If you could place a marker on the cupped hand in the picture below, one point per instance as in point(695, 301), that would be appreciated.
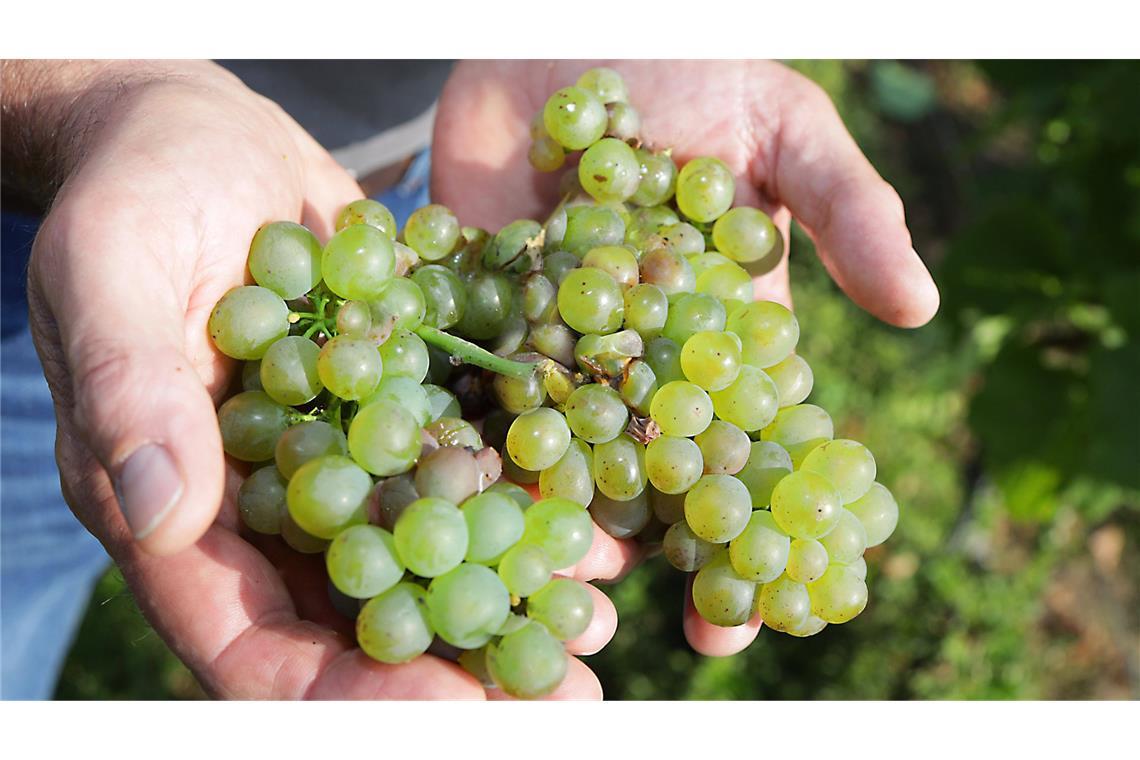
point(778, 132)
point(178, 166)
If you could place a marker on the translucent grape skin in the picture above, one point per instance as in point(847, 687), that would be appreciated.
point(362, 561)
point(289, 371)
point(685, 550)
point(596, 413)
point(527, 663)
point(524, 569)
point(368, 211)
point(448, 473)
point(609, 171)
point(846, 542)
point(432, 231)
point(839, 595)
point(805, 505)
point(606, 83)
point(760, 552)
point(305, 441)
point(572, 476)
point(793, 378)
point(247, 320)
point(546, 154)
point(286, 258)
point(767, 464)
point(590, 301)
point(467, 605)
point(674, 464)
point(692, 313)
point(718, 508)
point(561, 528)
point(728, 282)
point(720, 595)
point(711, 359)
point(750, 401)
point(619, 468)
point(399, 306)
point(350, 367)
point(705, 189)
point(621, 519)
point(538, 439)
point(725, 448)
point(519, 395)
point(586, 227)
point(405, 354)
point(431, 537)
point(623, 122)
point(664, 357)
point(393, 627)
point(744, 234)
point(564, 606)
point(355, 318)
point(489, 300)
point(646, 307)
point(638, 386)
point(384, 438)
point(668, 271)
point(327, 495)
point(768, 331)
point(799, 429)
point(575, 117)
point(848, 465)
point(618, 261)
point(807, 560)
point(683, 239)
point(357, 262)
point(658, 178)
point(261, 501)
point(404, 392)
point(445, 298)
point(251, 423)
point(783, 604)
point(682, 409)
point(879, 513)
point(494, 525)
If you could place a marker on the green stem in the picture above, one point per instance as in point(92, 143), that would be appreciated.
point(472, 354)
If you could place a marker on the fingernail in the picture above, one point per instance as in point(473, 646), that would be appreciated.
point(148, 486)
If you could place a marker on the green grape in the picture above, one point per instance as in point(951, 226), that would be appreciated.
point(572, 476)
point(720, 595)
point(590, 301)
point(685, 550)
point(768, 331)
point(489, 301)
point(658, 179)
point(761, 552)
point(705, 189)
point(606, 83)
point(805, 505)
point(394, 627)
point(682, 409)
point(393, 496)
point(596, 413)
point(668, 271)
point(767, 464)
point(474, 661)
point(703, 262)
point(564, 606)
point(247, 321)
point(527, 663)
point(494, 525)
point(623, 122)
point(711, 359)
point(328, 494)
point(517, 493)
point(350, 367)
point(441, 402)
point(431, 537)
point(619, 468)
point(859, 567)
point(355, 317)
point(879, 513)
point(432, 232)
point(384, 438)
point(744, 234)
point(251, 376)
point(305, 441)
point(561, 528)
point(357, 262)
point(615, 260)
point(250, 423)
point(514, 622)
point(406, 258)
point(807, 560)
point(400, 305)
point(810, 627)
point(445, 297)
point(751, 401)
point(540, 300)
point(468, 605)
point(556, 341)
point(289, 371)
point(609, 171)
point(645, 224)
point(718, 508)
point(664, 357)
point(839, 595)
point(667, 508)
point(638, 386)
point(726, 281)
point(286, 258)
point(362, 561)
point(725, 448)
point(846, 464)
point(621, 519)
point(368, 211)
point(575, 117)
point(538, 439)
point(607, 356)
point(261, 501)
point(454, 432)
point(674, 464)
point(692, 313)
point(545, 154)
point(555, 230)
point(405, 354)
point(646, 307)
point(793, 379)
point(519, 395)
point(683, 239)
point(589, 227)
point(298, 540)
point(513, 248)
point(405, 392)
point(847, 540)
point(514, 472)
point(524, 569)
point(799, 429)
point(783, 604)
point(448, 473)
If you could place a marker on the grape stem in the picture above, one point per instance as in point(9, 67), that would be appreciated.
point(469, 353)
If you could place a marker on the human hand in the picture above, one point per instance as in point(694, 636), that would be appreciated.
point(170, 169)
point(778, 132)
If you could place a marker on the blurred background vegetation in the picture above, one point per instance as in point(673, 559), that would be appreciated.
point(1008, 429)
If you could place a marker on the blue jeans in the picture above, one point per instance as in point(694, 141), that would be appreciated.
point(49, 563)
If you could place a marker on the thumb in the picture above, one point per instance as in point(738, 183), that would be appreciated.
point(114, 350)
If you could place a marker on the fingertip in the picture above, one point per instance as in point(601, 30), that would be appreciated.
point(603, 625)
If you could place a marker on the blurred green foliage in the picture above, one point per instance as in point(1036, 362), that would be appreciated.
point(1008, 428)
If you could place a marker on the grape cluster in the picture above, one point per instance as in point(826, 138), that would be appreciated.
point(615, 361)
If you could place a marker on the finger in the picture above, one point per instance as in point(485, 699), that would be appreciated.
point(580, 683)
point(608, 560)
point(854, 216)
point(602, 626)
point(714, 640)
point(355, 675)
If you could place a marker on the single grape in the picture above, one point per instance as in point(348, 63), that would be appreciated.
point(606, 83)
point(250, 423)
point(358, 261)
point(619, 468)
point(289, 371)
point(468, 605)
point(368, 211)
point(355, 317)
point(718, 508)
point(405, 354)
point(538, 439)
point(596, 413)
point(859, 567)
point(685, 550)
point(783, 604)
point(524, 569)
point(768, 331)
point(432, 232)
point(489, 300)
point(750, 401)
point(431, 537)
point(839, 595)
point(305, 441)
point(286, 258)
point(846, 464)
point(705, 189)
point(744, 234)
point(623, 122)
point(564, 606)
point(805, 505)
point(674, 464)
point(261, 501)
point(527, 663)
point(572, 476)
point(760, 553)
point(711, 359)
point(556, 341)
point(667, 508)
point(393, 496)
point(350, 367)
point(540, 300)
point(403, 392)
point(394, 626)
point(720, 595)
point(683, 239)
point(590, 301)
point(454, 432)
point(384, 438)
point(621, 519)
point(400, 305)
point(799, 429)
point(362, 561)
point(682, 409)
point(447, 473)
point(793, 379)
point(807, 560)
point(767, 465)
point(575, 117)
point(692, 313)
point(658, 179)
point(609, 171)
point(494, 525)
point(879, 513)
point(646, 307)
point(518, 395)
point(247, 321)
point(727, 282)
point(617, 261)
point(587, 227)
point(847, 540)
point(638, 386)
point(545, 154)
point(512, 471)
point(445, 298)
point(725, 448)
point(668, 271)
point(328, 494)
point(664, 357)
point(810, 627)
point(561, 528)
